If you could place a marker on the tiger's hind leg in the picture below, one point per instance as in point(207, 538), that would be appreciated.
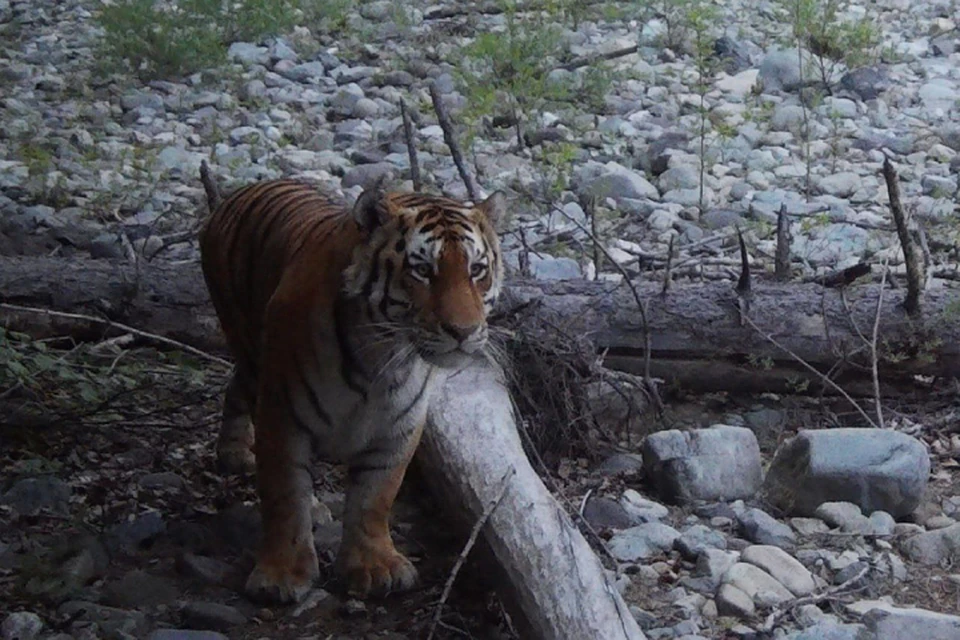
point(287, 560)
point(368, 560)
point(235, 442)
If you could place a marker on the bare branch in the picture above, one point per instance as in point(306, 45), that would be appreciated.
point(449, 136)
point(911, 258)
point(411, 146)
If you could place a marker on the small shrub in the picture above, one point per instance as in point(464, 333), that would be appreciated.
point(170, 38)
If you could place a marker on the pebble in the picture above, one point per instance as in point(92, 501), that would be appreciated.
point(762, 528)
point(21, 625)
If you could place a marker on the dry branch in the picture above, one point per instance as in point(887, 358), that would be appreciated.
point(450, 137)
point(408, 135)
point(911, 256)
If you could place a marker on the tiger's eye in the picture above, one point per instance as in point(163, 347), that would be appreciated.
point(423, 270)
point(477, 269)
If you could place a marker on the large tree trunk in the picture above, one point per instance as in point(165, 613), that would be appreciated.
point(557, 587)
point(698, 340)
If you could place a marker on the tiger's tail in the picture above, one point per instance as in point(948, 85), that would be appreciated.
point(210, 186)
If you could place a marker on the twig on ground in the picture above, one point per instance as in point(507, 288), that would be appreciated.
point(122, 327)
point(449, 136)
point(874, 361)
point(648, 382)
point(843, 589)
point(585, 61)
point(841, 278)
point(472, 540)
point(809, 367)
point(411, 146)
point(911, 258)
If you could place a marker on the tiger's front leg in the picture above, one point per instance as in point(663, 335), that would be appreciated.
point(367, 560)
point(287, 562)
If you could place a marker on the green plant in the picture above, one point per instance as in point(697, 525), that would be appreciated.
point(510, 68)
point(699, 17)
point(158, 39)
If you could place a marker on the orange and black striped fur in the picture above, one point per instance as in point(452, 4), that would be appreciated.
point(341, 320)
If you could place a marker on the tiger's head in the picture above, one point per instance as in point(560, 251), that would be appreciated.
point(429, 268)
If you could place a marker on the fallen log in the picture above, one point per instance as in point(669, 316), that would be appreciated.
point(555, 586)
point(698, 340)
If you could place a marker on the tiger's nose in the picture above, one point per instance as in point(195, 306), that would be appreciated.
point(458, 332)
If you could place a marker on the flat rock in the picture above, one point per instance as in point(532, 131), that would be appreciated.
point(733, 601)
point(185, 634)
point(719, 463)
point(893, 623)
point(760, 527)
point(762, 588)
point(697, 538)
point(933, 547)
point(832, 631)
point(603, 513)
point(786, 569)
point(643, 541)
point(643, 509)
point(872, 468)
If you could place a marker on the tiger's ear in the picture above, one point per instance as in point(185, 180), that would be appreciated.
point(495, 209)
point(371, 209)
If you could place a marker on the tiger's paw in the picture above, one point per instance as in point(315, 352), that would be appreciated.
point(284, 581)
point(375, 568)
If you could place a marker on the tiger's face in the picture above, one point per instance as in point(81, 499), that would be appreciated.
point(430, 270)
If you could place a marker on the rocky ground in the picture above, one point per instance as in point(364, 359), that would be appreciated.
point(121, 527)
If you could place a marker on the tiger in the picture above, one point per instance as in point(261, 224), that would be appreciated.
point(341, 321)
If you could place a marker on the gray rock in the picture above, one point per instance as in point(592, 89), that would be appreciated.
point(365, 175)
point(623, 183)
point(621, 464)
point(939, 94)
point(809, 526)
point(30, 496)
point(786, 569)
point(304, 72)
point(875, 469)
point(831, 631)
point(129, 535)
point(733, 601)
point(762, 588)
point(866, 82)
point(22, 625)
point(719, 463)
point(604, 513)
point(933, 547)
point(761, 528)
point(113, 622)
point(248, 53)
point(713, 563)
point(106, 246)
point(845, 515)
point(882, 523)
point(780, 70)
point(787, 117)
point(698, 538)
point(720, 218)
point(841, 185)
point(682, 177)
point(212, 616)
point(549, 268)
point(894, 623)
point(643, 509)
point(643, 541)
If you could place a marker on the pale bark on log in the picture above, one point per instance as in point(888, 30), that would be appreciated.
point(557, 587)
point(698, 341)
